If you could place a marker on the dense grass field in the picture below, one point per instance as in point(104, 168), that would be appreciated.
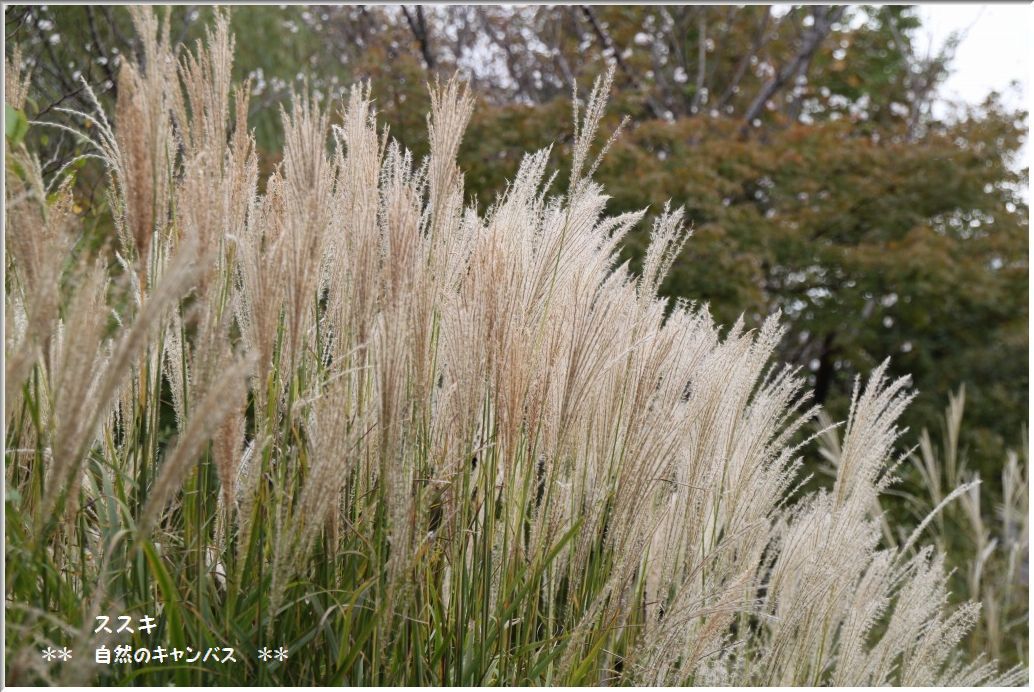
point(334, 427)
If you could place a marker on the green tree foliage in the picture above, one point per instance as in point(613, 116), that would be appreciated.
point(914, 248)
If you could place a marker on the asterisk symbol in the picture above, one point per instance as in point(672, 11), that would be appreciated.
point(281, 654)
point(265, 654)
point(48, 654)
point(65, 654)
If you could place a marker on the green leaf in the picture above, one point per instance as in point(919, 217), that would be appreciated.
point(16, 125)
point(173, 603)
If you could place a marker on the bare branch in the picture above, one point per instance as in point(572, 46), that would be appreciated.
point(825, 18)
point(741, 68)
point(701, 59)
point(418, 26)
point(609, 47)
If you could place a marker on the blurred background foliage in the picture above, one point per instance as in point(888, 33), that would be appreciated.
point(818, 176)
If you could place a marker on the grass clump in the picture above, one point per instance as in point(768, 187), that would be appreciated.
point(338, 411)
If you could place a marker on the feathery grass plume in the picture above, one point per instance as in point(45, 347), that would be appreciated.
point(81, 378)
point(988, 551)
point(143, 141)
point(39, 241)
point(451, 108)
point(88, 374)
point(76, 365)
point(260, 292)
point(203, 424)
point(17, 79)
point(215, 193)
point(202, 107)
point(345, 411)
point(336, 432)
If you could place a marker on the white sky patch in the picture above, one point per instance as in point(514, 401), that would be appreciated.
point(996, 52)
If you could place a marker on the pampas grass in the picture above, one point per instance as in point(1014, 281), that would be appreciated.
point(350, 416)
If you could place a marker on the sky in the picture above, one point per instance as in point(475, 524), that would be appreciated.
point(996, 48)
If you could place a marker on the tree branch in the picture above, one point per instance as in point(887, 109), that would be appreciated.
point(824, 18)
point(418, 26)
point(741, 68)
point(101, 49)
point(701, 59)
point(609, 47)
